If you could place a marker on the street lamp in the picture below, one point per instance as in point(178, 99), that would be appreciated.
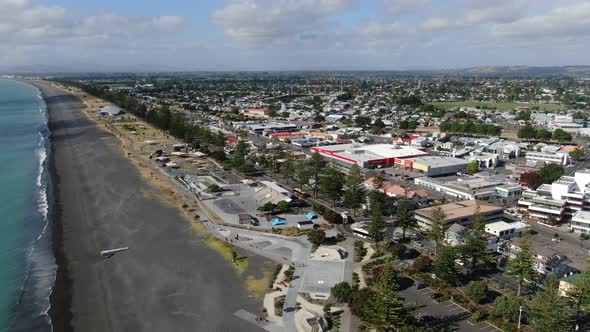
point(519, 316)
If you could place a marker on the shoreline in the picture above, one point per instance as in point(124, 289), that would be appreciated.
point(90, 293)
point(60, 301)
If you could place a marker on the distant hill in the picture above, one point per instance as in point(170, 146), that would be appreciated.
point(480, 71)
point(577, 71)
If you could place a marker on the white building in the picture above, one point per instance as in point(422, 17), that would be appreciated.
point(561, 158)
point(504, 230)
point(581, 222)
point(563, 198)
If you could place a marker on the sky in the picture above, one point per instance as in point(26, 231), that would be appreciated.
point(227, 35)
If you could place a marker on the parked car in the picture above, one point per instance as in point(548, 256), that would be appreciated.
point(419, 284)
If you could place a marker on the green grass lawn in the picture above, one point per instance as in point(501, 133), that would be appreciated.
point(500, 106)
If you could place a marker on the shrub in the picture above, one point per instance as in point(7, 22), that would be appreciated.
point(477, 317)
point(398, 250)
point(342, 292)
point(507, 307)
point(422, 264)
point(316, 236)
point(476, 291)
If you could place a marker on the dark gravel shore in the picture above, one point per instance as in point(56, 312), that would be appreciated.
point(168, 280)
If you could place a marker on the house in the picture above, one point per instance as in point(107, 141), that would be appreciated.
point(546, 260)
point(455, 235)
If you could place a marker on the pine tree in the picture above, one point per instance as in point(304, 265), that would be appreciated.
point(475, 248)
point(390, 307)
point(521, 266)
point(331, 183)
point(376, 205)
point(355, 193)
point(302, 175)
point(548, 311)
point(437, 231)
point(405, 217)
point(287, 168)
point(316, 165)
point(445, 267)
point(579, 293)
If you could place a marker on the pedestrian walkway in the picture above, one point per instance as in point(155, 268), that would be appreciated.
point(250, 317)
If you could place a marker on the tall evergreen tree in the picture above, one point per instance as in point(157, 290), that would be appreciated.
point(354, 196)
point(287, 168)
point(521, 267)
point(474, 250)
point(550, 312)
point(437, 231)
point(376, 207)
point(579, 293)
point(331, 183)
point(316, 165)
point(239, 156)
point(444, 266)
point(405, 217)
point(391, 311)
point(302, 176)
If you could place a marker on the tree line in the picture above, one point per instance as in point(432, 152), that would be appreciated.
point(176, 123)
point(470, 127)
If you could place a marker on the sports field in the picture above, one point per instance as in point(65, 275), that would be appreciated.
point(500, 106)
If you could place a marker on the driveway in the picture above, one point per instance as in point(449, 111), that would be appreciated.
point(442, 314)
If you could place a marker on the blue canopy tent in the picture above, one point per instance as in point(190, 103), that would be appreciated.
point(310, 215)
point(278, 221)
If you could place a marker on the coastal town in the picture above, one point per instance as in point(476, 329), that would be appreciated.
point(385, 203)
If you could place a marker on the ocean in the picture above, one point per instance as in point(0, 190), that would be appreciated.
point(27, 267)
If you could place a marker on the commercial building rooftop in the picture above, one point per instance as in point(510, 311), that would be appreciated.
point(461, 210)
point(363, 153)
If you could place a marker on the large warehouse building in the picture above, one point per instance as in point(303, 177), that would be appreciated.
point(373, 155)
point(434, 165)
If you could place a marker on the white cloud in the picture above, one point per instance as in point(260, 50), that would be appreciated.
point(28, 22)
point(259, 22)
point(568, 21)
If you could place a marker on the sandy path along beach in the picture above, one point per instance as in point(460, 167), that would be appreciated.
point(169, 280)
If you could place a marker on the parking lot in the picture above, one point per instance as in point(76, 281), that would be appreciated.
point(444, 314)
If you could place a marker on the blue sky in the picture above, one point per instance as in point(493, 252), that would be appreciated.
point(292, 34)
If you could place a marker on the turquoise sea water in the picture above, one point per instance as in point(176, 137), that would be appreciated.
point(26, 264)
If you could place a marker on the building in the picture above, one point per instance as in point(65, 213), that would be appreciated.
point(484, 160)
point(110, 111)
point(372, 155)
point(459, 213)
point(509, 190)
point(581, 222)
point(271, 127)
point(473, 188)
point(435, 166)
point(546, 260)
point(559, 200)
point(561, 158)
point(504, 230)
point(277, 191)
point(257, 113)
point(397, 191)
